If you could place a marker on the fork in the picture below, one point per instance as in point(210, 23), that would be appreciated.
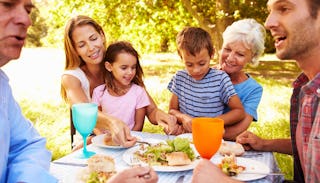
point(143, 142)
point(180, 179)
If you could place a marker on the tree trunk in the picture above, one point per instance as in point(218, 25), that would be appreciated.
point(216, 28)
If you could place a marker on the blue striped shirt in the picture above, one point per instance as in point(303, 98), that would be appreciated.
point(203, 98)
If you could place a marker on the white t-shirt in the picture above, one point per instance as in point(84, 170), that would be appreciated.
point(78, 73)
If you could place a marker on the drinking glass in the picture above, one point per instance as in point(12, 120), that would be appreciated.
point(84, 117)
point(207, 135)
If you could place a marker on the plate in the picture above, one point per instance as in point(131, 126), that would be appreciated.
point(186, 135)
point(251, 166)
point(81, 175)
point(189, 136)
point(99, 141)
point(129, 154)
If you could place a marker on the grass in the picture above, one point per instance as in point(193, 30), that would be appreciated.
point(51, 118)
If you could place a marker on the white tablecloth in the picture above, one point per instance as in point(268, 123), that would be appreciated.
point(66, 173)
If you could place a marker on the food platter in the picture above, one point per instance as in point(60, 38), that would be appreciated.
point(186, 135)
point(254, 169)
point(129, 155)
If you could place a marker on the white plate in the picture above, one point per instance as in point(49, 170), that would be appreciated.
point(190, 137)
point(251, 166)
point(128, 154)
point(186, 135)
point(98, 141)
point(81, 174)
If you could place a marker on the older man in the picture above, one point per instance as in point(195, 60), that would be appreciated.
point(23, 155)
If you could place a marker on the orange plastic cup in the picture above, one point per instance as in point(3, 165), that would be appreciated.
point(207, 135)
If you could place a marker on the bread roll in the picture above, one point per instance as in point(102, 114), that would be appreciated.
point(101, 163)
point(231, 148)
point(177, 158)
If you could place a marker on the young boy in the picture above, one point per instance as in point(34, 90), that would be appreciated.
point(200, 91)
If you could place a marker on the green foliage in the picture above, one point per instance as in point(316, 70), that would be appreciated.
point(52, 120)
point(38, 30)
point(151, 25)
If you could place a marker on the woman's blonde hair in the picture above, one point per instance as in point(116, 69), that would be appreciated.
point(73, 60)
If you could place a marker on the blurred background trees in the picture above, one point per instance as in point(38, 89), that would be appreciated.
point(151, 25)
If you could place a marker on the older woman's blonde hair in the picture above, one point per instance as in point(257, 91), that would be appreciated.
point(251, 33)
point(73, 60)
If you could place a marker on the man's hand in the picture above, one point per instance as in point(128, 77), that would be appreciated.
point(135, 175)
point(250, 141)
point(206, 171)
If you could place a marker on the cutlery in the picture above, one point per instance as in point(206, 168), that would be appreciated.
point(180, 179)
point(263, 173)
point(252, 155)
point(70, 164)
point(143, 142)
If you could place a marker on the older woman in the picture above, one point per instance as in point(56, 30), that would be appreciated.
point(243, 43)
point(85, 47)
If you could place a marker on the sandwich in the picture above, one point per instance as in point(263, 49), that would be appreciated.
point(100, 169)
point(177, 159)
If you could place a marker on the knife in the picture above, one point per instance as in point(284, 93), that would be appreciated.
point(180, 179)
point(70, 164)
point(263, 173)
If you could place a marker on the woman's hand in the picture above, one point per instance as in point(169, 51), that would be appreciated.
point(119, 130)
point(121, 133)
point(135, 175)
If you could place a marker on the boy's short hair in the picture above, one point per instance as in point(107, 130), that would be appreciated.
point(193, 40)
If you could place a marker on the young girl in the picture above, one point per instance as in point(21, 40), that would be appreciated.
point(123, 96)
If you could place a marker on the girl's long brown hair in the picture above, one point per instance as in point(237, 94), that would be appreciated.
point(112, 52)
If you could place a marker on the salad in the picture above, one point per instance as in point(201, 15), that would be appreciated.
point(157, 154)
point(229, 166)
